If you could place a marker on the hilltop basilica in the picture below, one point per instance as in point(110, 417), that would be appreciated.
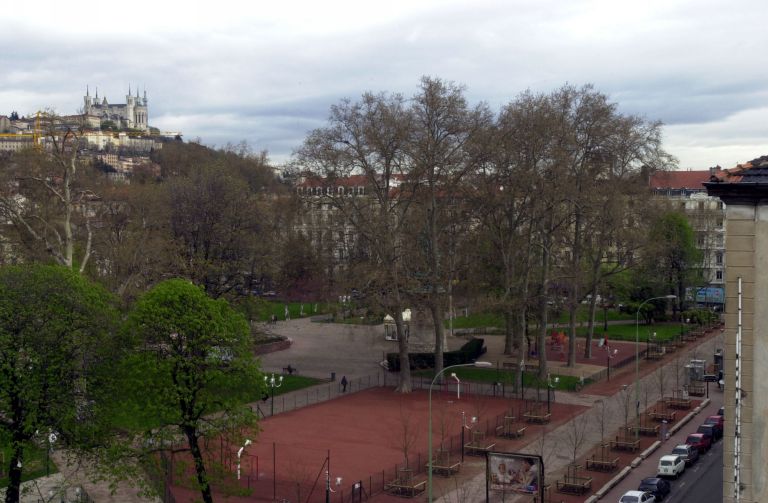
point(132, 114)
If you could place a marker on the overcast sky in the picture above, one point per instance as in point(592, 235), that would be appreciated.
point(267, 72)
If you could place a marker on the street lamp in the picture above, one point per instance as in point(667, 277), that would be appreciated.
point(429, 433)
point(637, 359)
point(240, 453)
point(273, 382)
point(551, 390)
point(328, 489)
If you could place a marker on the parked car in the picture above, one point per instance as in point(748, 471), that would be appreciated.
point(708, 429)
point(671, 465)
point(701, 442)
point(717, 422)
point(691, 454)
point(658, 487)
point(637, 497)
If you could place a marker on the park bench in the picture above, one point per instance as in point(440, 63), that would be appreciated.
point(478, 446)
point(478, 449)
point(679, 403)
point(655, 354)
point(442, 463)
point(445, 470)
point(574, 485)
point(663, 416)
point(406, 489)
point(290, 370)
point(602, 464)
point(647, 430)
point(510, 429)
point(512, 365)
point(534, 416)
point(625, 444)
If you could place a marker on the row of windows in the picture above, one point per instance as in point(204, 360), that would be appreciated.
point(329, 191)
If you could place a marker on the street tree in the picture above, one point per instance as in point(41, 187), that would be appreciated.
point(191, 371)
point(673, 260)
point(56, 347)
point(46, 196)
point(356, 169)
point(442, 152)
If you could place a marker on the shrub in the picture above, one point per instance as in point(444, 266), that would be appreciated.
point(467, 353)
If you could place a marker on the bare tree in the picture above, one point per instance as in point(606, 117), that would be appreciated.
point(48, 197)
point(363, 149)
point(624, 398)
point(601, 412)
point(660, 378)
point(408, 435)
point(576, 435)
point(440, 156)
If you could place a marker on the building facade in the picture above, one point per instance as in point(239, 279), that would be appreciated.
point(744, 190)
point(133, 114)
point(686, 192)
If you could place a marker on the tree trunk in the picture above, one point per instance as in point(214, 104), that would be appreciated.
point(404, 385)
point(542, 343)
point(13, 491)
point(197, 455)
point(509, 343)
point(437, 319)
point(591, 328)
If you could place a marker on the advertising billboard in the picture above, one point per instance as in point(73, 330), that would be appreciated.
point(510, 472)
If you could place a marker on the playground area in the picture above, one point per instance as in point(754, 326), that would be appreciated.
point(364, 436)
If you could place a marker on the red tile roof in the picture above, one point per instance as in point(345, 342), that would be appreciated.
point(682, 179)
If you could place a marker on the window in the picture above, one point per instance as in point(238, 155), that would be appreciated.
point(701, 205)
point(719, 275)
point(719, 258)
point(719, 205)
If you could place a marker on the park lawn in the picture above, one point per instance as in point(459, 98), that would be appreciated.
point(254, 392)
point(488, 375)
point(34, 464)
point(267, 308)
point(495, 320)
point(663, 331)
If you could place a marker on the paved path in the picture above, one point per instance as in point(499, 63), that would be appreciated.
point(552, 450)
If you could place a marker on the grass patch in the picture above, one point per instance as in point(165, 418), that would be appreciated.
point(267, 308)
point(34, 464)
point(495, 320)
point(663, 331)
point(253, 391)
point(530, 379)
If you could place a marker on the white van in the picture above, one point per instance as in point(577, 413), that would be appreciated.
point(671, 465)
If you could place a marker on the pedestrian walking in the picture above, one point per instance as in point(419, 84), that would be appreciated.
point(343, 384)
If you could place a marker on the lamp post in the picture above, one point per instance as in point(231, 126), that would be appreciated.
point(240, 453)
point(429, 433)
point(551, 389)
point(328, 489)
point(637, 359)
point(273, 382)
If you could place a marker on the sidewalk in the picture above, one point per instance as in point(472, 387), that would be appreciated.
point(554, 459)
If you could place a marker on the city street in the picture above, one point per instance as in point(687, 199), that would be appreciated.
point(702, 482)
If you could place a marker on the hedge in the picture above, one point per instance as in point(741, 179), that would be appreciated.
point(467, 353)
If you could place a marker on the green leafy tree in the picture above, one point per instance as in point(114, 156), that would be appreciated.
point(55, 345)
point(192, 359)
point(673, 260)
